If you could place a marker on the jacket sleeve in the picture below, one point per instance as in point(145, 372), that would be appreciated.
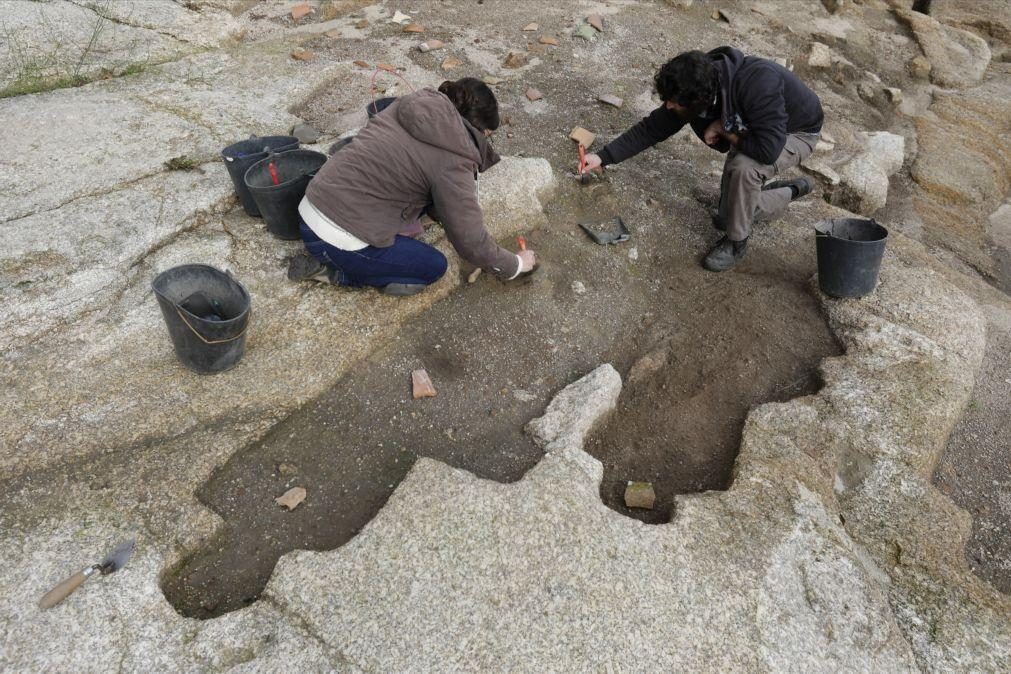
point(454, 197)
point(763, 108)
point(658, 127)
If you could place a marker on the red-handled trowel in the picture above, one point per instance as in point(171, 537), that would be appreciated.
point(115, 561)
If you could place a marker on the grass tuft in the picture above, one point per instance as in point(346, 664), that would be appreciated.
point(181, 163)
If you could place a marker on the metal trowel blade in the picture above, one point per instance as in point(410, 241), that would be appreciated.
point(118, 558)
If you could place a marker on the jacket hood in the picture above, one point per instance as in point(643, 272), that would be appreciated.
point(430, 117)
point(727, 61)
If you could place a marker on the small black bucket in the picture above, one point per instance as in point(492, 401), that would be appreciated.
point(240, 156)
point(206, 312)
point(849, 256)
point(279, 203)
point(378, 105)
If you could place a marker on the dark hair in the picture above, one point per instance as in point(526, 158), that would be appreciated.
point(474, 100)
point(688, 79)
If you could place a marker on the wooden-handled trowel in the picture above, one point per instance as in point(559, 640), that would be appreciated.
point(115, 561)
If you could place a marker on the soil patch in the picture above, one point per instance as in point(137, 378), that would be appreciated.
point(497, 354)
point(719, 352)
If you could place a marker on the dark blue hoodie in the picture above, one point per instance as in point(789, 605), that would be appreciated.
point(759, 100)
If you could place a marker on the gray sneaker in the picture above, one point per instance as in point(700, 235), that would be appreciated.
point(304, 267)
point(725, 254)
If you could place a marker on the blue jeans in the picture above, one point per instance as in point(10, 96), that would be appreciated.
point(406, 261)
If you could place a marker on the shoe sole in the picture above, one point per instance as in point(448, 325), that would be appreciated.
point(303, 271)
point(708, 267)
point(403, 289)
point(804, 187)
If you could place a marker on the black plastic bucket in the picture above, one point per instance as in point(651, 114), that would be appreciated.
point(849, 255)
point(240, 156)
point(378, 105)
point(206, 312)
point(279, 203)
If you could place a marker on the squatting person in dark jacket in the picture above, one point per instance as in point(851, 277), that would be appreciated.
point(753, 108)
point(422, 154)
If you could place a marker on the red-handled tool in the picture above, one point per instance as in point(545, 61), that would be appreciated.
point(273, 173)
point(584, 177)
point(521, 242)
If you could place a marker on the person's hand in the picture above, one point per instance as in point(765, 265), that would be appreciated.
point(592, 163)
point(528, 260)
point(713, 133)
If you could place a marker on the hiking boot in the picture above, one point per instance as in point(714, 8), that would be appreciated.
point(303, 267)
point(403, 289)
point(725, 254)
point(799, 186)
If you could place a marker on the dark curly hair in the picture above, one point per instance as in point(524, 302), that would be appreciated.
point(688, 79)
point(474, 100)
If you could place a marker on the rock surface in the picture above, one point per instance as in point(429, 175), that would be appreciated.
point(863, 181)
point(964, 176)
point(69, 38)
point(821, 56)
point(957, 57)
point(573, 411)
point(306, 134)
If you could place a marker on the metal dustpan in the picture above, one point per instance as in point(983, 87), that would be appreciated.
point(608, 231)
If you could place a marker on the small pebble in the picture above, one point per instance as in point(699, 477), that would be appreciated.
point(611, 99)
point(305, 133)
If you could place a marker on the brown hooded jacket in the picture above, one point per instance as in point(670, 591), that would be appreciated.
point(418, 153)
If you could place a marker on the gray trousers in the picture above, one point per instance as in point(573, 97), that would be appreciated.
point(741, 195)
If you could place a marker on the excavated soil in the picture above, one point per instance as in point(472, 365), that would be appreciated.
point(497, 354)
point(720, 351)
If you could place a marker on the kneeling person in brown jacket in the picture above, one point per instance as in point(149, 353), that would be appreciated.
point(422, 154)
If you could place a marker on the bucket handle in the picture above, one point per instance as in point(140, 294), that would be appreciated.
point(212, 341)
point(271, 153)
point(380, 69)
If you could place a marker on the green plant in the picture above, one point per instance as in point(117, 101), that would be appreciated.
point(58, 64)
point(181, 163)
point(24, 86)
point(133, 69)
point(96, 32)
